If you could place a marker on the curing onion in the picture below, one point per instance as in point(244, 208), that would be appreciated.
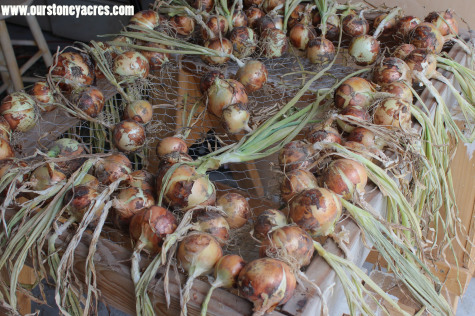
point(323, 133)
point(5, 130)
point(45, 177)
point(269, 5)
point(6, 150)
point(130, 201)
point(320, 51)
point(267, 221)
point(345, 177)
point(140, 111)
point(70, 149)
point(221, 45)
point(208, 79)
point(273, 43)
point(155, 59)
point(295, 155)
point(445, 22)
point(80, 199)
point(399, 90)
point(236, 208)
point(253, 75)
point(171, 144)
point(204, 5)
point(253, 15)
point(393, 112)
point(112, 168)
point(146, 18)
point(142, 179)
point(73, 70)
point(182, 24)
point(131, 64)
point(406, 24)
point(354, 91)
point(239, 19)
point(423, 62)
point(357, 113)
point(244, 41)
point(90, 100)
point(300, 35)
point(362, 136)
point(403, 50)
point(223, 93)
point(427, 36)
point(390, 25)
point(235, 118)
point(391, 69)
point(128, 135)
point(19, 111)
point(42, 94)
point(364, 49)
point(213, 223)
point(295, 182)
point(217, 27)
point(355, 25)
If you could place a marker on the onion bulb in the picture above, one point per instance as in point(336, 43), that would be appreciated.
point(354, 91)
point(295, 155)
point(150, 226)
point(290, 244)
point(345, 177)
point(5, 130)
point(400, 90)
point(403, 50)
point(299, 15)
point(355, 25)
point(270, 21)
point(269, 5)
point(406, 24)
point(333, 26)
point(244, 41)
point(140, 111)
point(427, 36)
point(356, 112)
point(131, 64)
point(223, 93)
point(267, 221)
point(45, 177)
point(130, 201)
point(212, 223)
point(273, 43)
point(391, 69)
point(267, 283)
point(390, 25)
point(90, 181)
point(202, 5)
point(393, 112)
point(90, 100)
point(80, 199)
point(253, 15)
point(171, 144)
point(182, 24)
point(128, 135)
point(236, 208)
point(112, 168)
point(6, 150)
point(235, 118)
point(146, 18)
point(42, 94)
point(218, 27)
point(239, 18)
point(445, 22)
point(70, 149)
point(423, 62)
point(364, 50)
point(221, 45)
point(300, 35)
point(73, 70)
point(295, 182)
point(362, 136)
point(208, 79)
point(18, 109)
point(142, 179)
point(253, 75)
point(155, 59)
point(320, 51)
point(323, 133)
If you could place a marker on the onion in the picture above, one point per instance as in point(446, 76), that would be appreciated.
point(131, 64)
point(19, 111)
point(427, 36)
point(400, 90)
point(90, 181)
point(112, 168)
point(364, 49)
point(253, 75)
point(171, 144)
point(150, 226)
point(355, 25)
point(203, 5)
point(236, 208)
point(300, 35)
point(390, 25)
point(173, 158)
point(73, 69)
point(295, 155)
point(235, 118)
point(120, 49)
point(218, 25)
point(79, 201)
point(182, 24)
point(70, 149)
point(140, 111)
point(391, 69)
point(142, 179)
point(221, 45)
point(128, 136)
point(5, 130)
point(362, 136)
point(212, 223)
point(447, 27)
point(267, 283)
point(6, 150)
point(403, 50)
point(295, 182)
point(90, 100)
point(354, 91)
point(406, 24)
point(239, 18)
point(290, 244)
point(45, 177)
point(252, 3)
point(186, 189)
point(253, 15)
point(299, 15)
point(419, 60)
point(333, 26)
point(320, 51)
point(244, 41)
point(267, 221)
point(393, 112)
point(146, 18)
point(131, 200)
point(223, 93)
point(269, 5)
point(323, 133)
point(273, 43)
point(43, 96)
point(208, 79)
point(345, 177)
point(155, 59)
point(270, 21)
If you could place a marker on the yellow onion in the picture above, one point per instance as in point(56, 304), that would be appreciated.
point(269, 5)
point(239, 18)
point(112, 168)
point(267, 283)
point(345, 177)
point(364, 50)
point(244, 41)
point(400, 90)
point(393, 112)
point(155, 59)
point(218, 27)
point(300, 35)
point(355, 25)
point(45, 177)
point(236, 208)
point(131, 64)
point(128, 135)
point(444, 21)
point(146, 18)
point(171, 144)
point(90, 181)
point(90, 100)
point(362, 136)
point(333, 26)
point(182, 24)
point(295, 182)
point(295, 155)
point(267, 221)
point(150, 226)
point(390, 25)
point(391, 69)
point(253, 75)
point(5, 130)
point(73, 70)
point(204, 5)
point(80, 199)
point(212, 223)
point(235, 118)
point(223, 93)
point(42, 94)
point(140, 111)
point(354, 91)
point(423, 62)
point(70, 149)
point(18, 109)
point(131, 200)
point(299, 15)
point(221, 45)
point(208, 79)
point(142, 179)
point(116, 50)
point(427, 36)
point(253, 15)
point(323, 133)
point(6, 150)
point(320, 51)
point(403, 50)
point(270, 21)
point(290, 244)
point(273, 43)
point(405, 25)
point(227, 270)
point(316, 211)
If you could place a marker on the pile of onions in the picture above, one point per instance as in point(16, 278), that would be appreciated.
point(131, 200)
point(296, 181)
point(391, 69)
point(19, 110)
point(70, 149)
point(295, 155)
point(73, 70)
point(90, 100)
point(267, 283)
point(273, 43)
point(140, 111)
point(170, 145)
point(393, 112)
point(253, 75)
point(131, 64)
point(112, 168)
point(236, 208)
point(42, 94)
point(128, 135)
point(345, 177)
point(267, 221)
point(182, 24)
point(244, 41)
point(155, 59)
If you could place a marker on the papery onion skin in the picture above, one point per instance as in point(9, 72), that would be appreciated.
point(205, 5)
point(316, 211)
point(350, 112)
point(268, 220)
point(244, 41)
point(403, 50)
point(222, 45)
point(289, 243)
point(236, 208)
point(354, 91)
point(146, 18)
point(19, 109)
point(6, 150)
point(90, 100)
point(70, 149)
point(391, 69)
point(300, 35)
point(299, 15)
point(364, 49)
point(150, 226)
point(252, 3)
point(253, 75)
point(218, 25)
point(267, 283)
point(131, 200)
point(393, 112)
point(80, 199)
point(295, 182)
point(273, 43)
point(333, 26)
point(253, 15)
point(227, 270)
point(427, 36)
point(423, 62)
point(155, 59)
point(212, 223)
point(345, 177)
point(208, 79)
point(235, 118)
point(322, 133)
point(223, 93)
point(449, 26)
point(73, 69)
point(140, 111)
point(354, 25)
point(90, 181)
point(46, 176)
point(128, 136)
point(42, 94)
point(399, 89)
point(406, 24)
point(362, 135)
point(269, 5)
point(239, 19)
point(131, 64)
point(182, 24)
point(198, 253)
point(5, 130)
point(390, 25)
point(320, 51)
point(295, 155)
point(112, 168)
point(171, 144)
point(142, 179)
